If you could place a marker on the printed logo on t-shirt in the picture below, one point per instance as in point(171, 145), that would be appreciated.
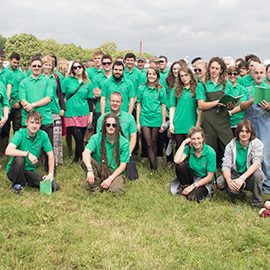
point(18, 78)
point(203, 164)
point(122, 122)
point(37, 147)
point(42, 86)
point(122, 89)
point(155, 96)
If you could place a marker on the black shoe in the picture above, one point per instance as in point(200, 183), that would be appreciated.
point(55, 186)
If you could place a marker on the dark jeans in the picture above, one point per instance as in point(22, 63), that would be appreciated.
point(186, 178)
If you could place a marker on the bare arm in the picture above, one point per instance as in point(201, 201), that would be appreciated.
point(86, 157)
point(203, 105)
point(102, 105)
point(9, 87)
point(132, 141)
point(131, 104)
point(244, 105)
point(171, 116)
point(138, 113)
point(180, 156)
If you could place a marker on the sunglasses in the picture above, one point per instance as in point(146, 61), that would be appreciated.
point(79, 67)
point(38, 66)
point(233, 73)
point(197, 70)
point(106, 63)
point(111, 124)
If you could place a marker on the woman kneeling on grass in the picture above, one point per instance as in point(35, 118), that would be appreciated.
point(241, 167)
point(195, 178)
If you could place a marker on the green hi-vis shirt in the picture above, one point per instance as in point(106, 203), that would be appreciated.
point(3, 98)
point(241, 157)
point(94, 146)
point(24, 142)
point(32, 90)
point(77, 105)
point(200, 166)
point(211, 87)
point(93, 72)
point(127, 123)
point(6, 77)
point(185, 115)
point(134, 76)
point(98, 82)
point(18, 76)
point(151, 100)
point(237, 90)
point(55, 100)
point(125, 87)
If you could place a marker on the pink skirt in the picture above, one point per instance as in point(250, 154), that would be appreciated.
point(77, 121)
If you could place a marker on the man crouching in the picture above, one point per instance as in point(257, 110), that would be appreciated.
point(106, 156)
point(24, 148)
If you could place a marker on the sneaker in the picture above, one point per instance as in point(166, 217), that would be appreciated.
point(175, 187)
point(18, 189)
point(143, 160)
point(55, 186)
point(264, 213)
point(160, 159)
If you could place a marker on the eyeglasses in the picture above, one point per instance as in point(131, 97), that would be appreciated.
point(106, 63)
point(111, 124)
point(197, 70)
point(38, 66)
point(79, 67)
point(233, 73)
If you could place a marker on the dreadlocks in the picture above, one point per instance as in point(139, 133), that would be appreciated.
point(103, 152)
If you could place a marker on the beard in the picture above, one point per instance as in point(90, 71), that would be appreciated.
point(118, 79)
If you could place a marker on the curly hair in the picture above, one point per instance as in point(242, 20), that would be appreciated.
point(222, 80)
point(179, 85)
point(84, 74)
point(103, 151)
point(170, 80)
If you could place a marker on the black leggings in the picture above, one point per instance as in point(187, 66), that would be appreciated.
point(179, 138)
point(150, 135)
point(186, 178)
point(78, 134)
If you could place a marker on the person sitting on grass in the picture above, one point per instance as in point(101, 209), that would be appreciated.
point(24, 148)
point(106, 156)
point(195, 178)
point(241, 167)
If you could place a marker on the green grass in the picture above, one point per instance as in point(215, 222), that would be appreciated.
point(146, 228)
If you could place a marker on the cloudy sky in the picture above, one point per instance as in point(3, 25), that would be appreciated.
point(174, 28)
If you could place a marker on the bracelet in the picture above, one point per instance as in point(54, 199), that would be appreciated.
point(243, 177)
point(6, 117)
point(89, 169)
point(27, 153)
point(192, 186)
point(230, 113)
point(33, 105)
point(196, 184)
point(110, 177)
point(51, 174)
point(198, 124)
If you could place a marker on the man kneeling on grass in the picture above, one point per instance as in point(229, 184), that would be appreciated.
point(106, 156)
point(24, 148)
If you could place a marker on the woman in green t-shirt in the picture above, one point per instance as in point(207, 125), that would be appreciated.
point(183, 110)
point(151, 112)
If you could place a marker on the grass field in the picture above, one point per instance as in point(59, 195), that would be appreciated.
point(146, 228)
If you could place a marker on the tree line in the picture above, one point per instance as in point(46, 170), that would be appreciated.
point(27, 45)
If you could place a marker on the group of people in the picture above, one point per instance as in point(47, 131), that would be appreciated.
point(105, 107)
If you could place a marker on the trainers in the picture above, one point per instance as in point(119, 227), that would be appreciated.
point(18, 189)
point(264, 213)
point(160, 159)
point(55, 186)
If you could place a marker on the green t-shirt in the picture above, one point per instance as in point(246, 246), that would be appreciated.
point(55, 100)
point(185, 115)
point(165, 73)
point(6, 77)
point(61, 77)
point(3, 98)
point(151, 101)
point(200, 166)
point(125, 87)
point(237, 90)
point(32, 90)
point(241, 157)
point(98, 82)
point(77, 105)
point(246, 81)
point(134, 76)
point(24, 142)
point(93, 72)
point(211, 87)
point(18, 76)
point(127, 123)
point(94, 146)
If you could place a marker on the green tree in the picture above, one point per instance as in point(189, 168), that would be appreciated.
point(3, 41)
point(50, 45)
point(25, 44)
point(109, 47)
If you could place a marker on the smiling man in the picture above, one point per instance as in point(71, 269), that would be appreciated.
point(24, 148)
point(106, 156)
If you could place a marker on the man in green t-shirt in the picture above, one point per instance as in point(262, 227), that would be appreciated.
point(163, 61)
point(24, 148)
point(106, 156)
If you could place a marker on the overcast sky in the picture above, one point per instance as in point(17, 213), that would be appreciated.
point(174, 28)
